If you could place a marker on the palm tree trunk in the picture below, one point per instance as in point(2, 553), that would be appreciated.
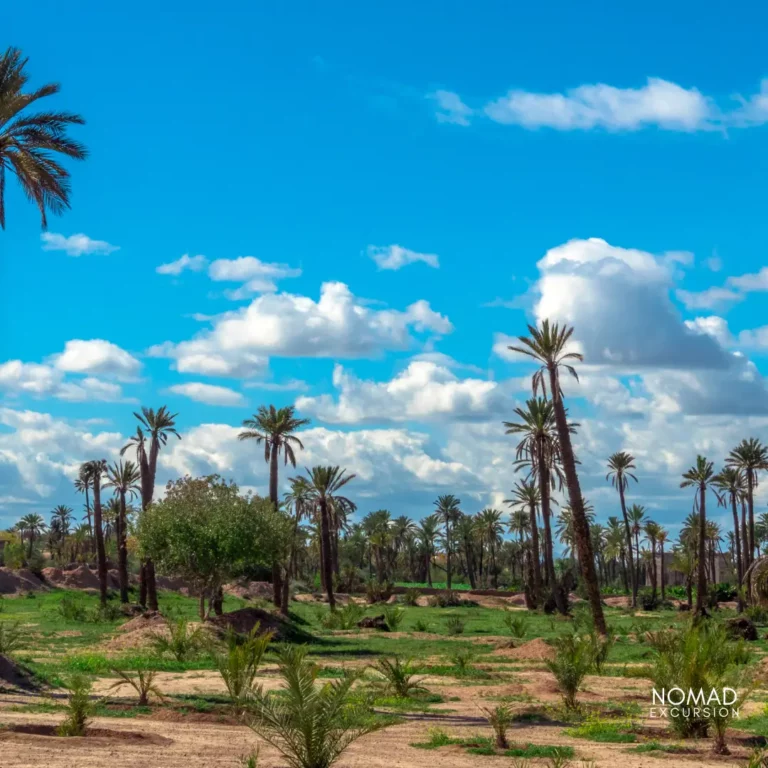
point(536, 561)
point(88, 515)
point(751, 502)
point(122, 550)
point(653, 571)
point(663, 576)
point(273, 497)
point(101, 554)
point(549, 560)
point(701, 585)
point(448, 552)
point(429, 568)
point(580, 524)
point(633, 579)
point(737, 547)
point(325, 543)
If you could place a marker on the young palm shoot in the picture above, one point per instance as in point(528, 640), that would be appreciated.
point(399, 677)
point(143, 682)
point(238, 667)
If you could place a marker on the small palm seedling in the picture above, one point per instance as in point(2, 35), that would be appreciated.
point(239, 665)
point(143, 682)
point(79, 707)
point(251, 760)
point(393, 616)
point(181, 642)
point(309, 725)
point(462, 662)
point(411, 597)
point(346, 617)
point(517, 625)
point(398, 677)
point(454, 625)
point(574, 659)
point(420, 625)
point(499, 718)
point(11, 636)
point(601, 647)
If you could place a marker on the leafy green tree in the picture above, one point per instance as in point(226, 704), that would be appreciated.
point(207, 533)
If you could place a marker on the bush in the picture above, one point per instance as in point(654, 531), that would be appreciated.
point(143, 682)
point(72, 608)
point(517, 625)
point(450, 600)
point(647, 600)
point(462, 662)
point(398, 677)
point(454, 625)
point(421, 625)
point(378, 591)
point(310, 725)
point(574, 659)
point(79, 706)
point(724, 592)
point(411, 597)
point(499, 718)
point(757, 614)
point(238, 667)
point(394, 617)
point(181, 643)
point(345, 617)
point(601, 647)
point(11, 636)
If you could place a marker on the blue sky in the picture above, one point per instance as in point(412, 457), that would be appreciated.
point(315, 137)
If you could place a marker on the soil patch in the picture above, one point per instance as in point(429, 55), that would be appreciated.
point(102, 734)
point(617, 602)
point(244, 620)
point(16, 675)
point(13, 582)
point(81, 577)
point(533, 650)
point(152, 620)
point(249, 590)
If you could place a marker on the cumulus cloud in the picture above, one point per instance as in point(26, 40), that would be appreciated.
point(208, 393)
point(755, 338)
point(658, 103)
point(338, 325)
point(710, 298)
point(76, 245)
point(756, 282)
point(257, 276)
point(450, 108)
point(423, 391)
point(192, 263)
point(715, 326)
point(396, 257)
point(97, 356)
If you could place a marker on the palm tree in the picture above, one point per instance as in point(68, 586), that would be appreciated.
point(63, 514)
point(34, 526)
point(28, 142)
point(325, 482)
point(275, 427)
point(750, 456)
point(527, 496)
point(662, 536)
point(619, 465)
point(156, 426)
point(548, 346)
point(448, 512)
point(652, 530)
point(125, 478)
point(636, 517)
point(730, 484)
point(95, 470)
point(700, 476)
point(300, 499)
point(427, 534)
point(491, 529)
point(82, 484)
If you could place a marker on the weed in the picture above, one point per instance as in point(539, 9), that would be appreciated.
point(421, 625)
point(517, 625)
point(393, 616)
point(454, 625)
point(462, 662)
point(345, 617)
point(411, 597)
point(11, 636)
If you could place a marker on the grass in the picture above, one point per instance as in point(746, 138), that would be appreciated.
point(657, 746)
point(603, 731)
point(483, 745)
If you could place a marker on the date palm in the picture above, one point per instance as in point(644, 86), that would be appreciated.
point(427, 534)
point(299, 498)
point(63, 514)
point(636, 517)
point(699, 476)
point(95, 471)
point(33, 526)
point(448, 509)
point(619, 466)
point(652, 530)
point(548, 346)
point(125, 478)
point(275, 427)
point(526, 497)
point(662, 537)
point(82, 485)
point(491, 529)
point(30, 142)
point(325, 484)
point(730, 487)
point(750, 456)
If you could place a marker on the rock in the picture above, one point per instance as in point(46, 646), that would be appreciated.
point(374, 622)
point(741, 627)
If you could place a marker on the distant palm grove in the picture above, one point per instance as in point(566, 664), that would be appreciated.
point(314, 534)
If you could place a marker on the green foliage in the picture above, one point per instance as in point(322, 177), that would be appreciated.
point(79, 706)
point(601, 647)
point(74, 608)
point(378, 591)
point(346, 617)
point(11, 636)
point(603, 731)
point(239, 665)
point(499, 718)
point(574, 659)
point(516, 624)
point(462, 662)
point(399, 676)
point(181, 642)
point(411, 597)
point(251, 760)
point(310, 725)
point(449, 600)
point(14, 554)
point(757, 614)
point(758, 759)
point(420, 625)
point(454, 625)
point(394, 617)
point(143, 682)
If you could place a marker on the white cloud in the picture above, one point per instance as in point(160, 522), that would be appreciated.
point(752, 110)
point(40, 381)
point(290, 385)
point(338, 325)
point(423, 391)
point(97, 356)
point(709, 298)
point(658, 103)
point(715, 326)
point(450, 108)
point(257, 276)
point(755, 338)
point(208, 393)
point(193, 263)
point(76, 245)
point(756, 282)
point(396, 257)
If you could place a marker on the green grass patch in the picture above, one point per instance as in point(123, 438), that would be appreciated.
point(603, 731)
point(657, 746)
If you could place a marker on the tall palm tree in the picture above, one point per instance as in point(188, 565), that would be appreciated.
point(619, 466)
point(33, 526)
point(636, 517)
point(490, 526)
point(729, 483)
point(652, 530)
point(525, 498)
point(29, 142)
point(427, 534)
point(299, 498)
point(156, 427)
point(275, 427)
point(750, 456)
point(82, 485)
point(125, 478)
point(700, 477)
point(63, 514)
point(448, 511)
point(538, 450)
point(95, 470)
point(548, 345)
point(662, 536)
point(325, 483)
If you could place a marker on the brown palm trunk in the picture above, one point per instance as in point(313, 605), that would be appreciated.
point(277, 580)
point(90, 526)
point(663, 576)
point(701, 585)
point(633, 576)
point(536, 561)
point(448, 552)
point(325, 544)
point(737, 547)
point(580, 524)
point(148, 467)
point(101, 554)
point(751, 503)
point(543, 472)
point(122, 550)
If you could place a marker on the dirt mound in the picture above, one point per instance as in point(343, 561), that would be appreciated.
point(173, 584)
point(249, 590)
point(617, 602)
point(244, 620)
point(104, 736)
point(16, 676)
point(12, 582)
point(81, 578)
point(533, 650)
point(152, 619)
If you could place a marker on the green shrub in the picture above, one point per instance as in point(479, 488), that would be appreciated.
point(346, 617)
point(516, 624)
point(239, 665)
point(393, 617)
point(143, 682)
point(181, 642)
point(72, 608)
point(11, 636)
point(79, 706)
point(499, 718)
point(601, 647)
point(421, 626)
point(378, 591)
point(399, 677)
point(757, 614)
point(454, 625)
point(462, 662)
point(411, 597)
point(574, 659)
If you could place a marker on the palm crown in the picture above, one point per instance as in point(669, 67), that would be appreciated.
point(274, 427)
